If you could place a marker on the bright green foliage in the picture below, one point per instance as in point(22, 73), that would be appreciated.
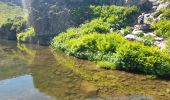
point(93, 41)
point(7, 12)
point(127, 30)
point(140, 34)
point(118, 17)
point(168, 44)
point(162, 28)
point(26, 35)
point(92, 46)
point(96, 25)
point(149, 41)
point(149, 60)
point(165, 13)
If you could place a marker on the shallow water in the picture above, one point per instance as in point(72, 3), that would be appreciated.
point(32, 72)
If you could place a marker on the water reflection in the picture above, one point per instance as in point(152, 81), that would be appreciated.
point(20, 88)
point(31, 72)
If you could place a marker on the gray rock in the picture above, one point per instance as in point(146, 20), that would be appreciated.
point(131, 37)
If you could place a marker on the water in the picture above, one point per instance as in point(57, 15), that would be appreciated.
point(32, 72)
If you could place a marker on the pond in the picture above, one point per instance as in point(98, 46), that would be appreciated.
point(33, 72)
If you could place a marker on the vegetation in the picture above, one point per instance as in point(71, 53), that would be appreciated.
point(26, 35)
point(168, 44)
point(162, 28)
point(149, 41)
point(94, 41)
point(8, 12)
point(149, 60)
point(12, 27)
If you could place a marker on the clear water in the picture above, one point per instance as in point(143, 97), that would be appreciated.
point(32, 72)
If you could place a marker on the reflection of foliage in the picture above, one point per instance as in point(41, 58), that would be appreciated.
point(84, 72)
point(30, 53)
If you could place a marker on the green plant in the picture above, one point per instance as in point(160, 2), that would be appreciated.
point(140, 34)
point(162, 28)
point(127, 30)
point(168, 44)
point(149, 60)
point(165, 13)
point(26, 35)
point(148, 40)
point(10, 12)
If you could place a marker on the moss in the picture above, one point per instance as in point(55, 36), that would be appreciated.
point(8, 12)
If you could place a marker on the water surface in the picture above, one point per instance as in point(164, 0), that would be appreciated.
point(32, 72)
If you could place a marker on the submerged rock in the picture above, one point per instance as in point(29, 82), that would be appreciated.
point(89, 88)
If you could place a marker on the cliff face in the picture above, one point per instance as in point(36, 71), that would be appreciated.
point(54, 16)
point(12, 2)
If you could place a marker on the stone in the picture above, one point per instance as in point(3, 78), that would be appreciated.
point(130, 37)
point(150, 34)
point(168, 91)
point(159, 39)
point(165, 5)
point(51, 17)
point(88, 88)
point(136, 32)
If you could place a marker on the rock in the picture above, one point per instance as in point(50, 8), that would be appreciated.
point(51, 17)
point(89, 88)
point(168, 91)
point(165, 5)
point(159, 39)
point(130, 37)
point(136, 32)
point(150, 34)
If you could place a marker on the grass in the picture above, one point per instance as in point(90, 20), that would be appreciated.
point(7, 11)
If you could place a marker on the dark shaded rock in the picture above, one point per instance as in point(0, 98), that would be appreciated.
point(50, 17)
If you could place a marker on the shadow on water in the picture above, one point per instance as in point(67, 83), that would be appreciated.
point(32, 72)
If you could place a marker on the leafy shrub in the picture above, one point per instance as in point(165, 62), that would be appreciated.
point(162, 28)
point(117, 16)
point(168, 45)
point(12, 27)
point(92, 46)
point(93, 41)
point(127, 30)
point(149, 60)
point(148, 40)
point(140, 34)
point(96, 25)
point(165, 13)
point(26, 35)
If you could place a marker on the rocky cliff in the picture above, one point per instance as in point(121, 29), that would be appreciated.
point(50, 17)
point(12, 2)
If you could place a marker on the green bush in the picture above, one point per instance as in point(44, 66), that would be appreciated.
point(149, 60)
point(148, 41)
point(127, 30)
point(140, 34)
point(92, 46)
point(168, 44)
point(165, 13)
point(117, 16)
point(162, 28)
point(26, 35)
point(93, 41)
